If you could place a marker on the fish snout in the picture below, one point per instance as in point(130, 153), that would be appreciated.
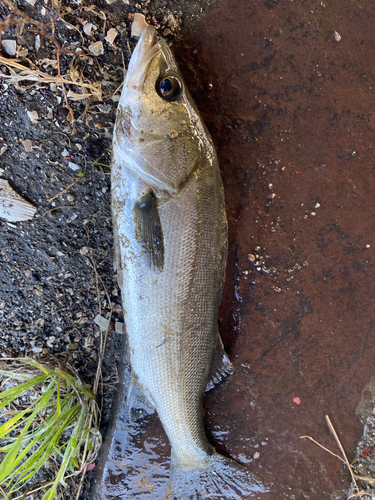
point(145, 51)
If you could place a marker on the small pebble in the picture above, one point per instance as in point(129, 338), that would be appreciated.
point(119, 327)
point(138, 25)
point(96, 48)
point(73, 166)
point(87, 28)
point(89, 341)
point(10, 47)
point(33, 115)
point(111, 35)
point(28, 145)
point(102, 322)
point(171, 21)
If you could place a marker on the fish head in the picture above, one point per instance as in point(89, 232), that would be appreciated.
point(158, 124)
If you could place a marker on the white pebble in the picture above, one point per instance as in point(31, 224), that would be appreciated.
point(111, 35)
point(101, 322)
point(96, 48)
point(10, 47)
point(33, 115)
point(73, 166)
point(138, 25)
point(87, 28)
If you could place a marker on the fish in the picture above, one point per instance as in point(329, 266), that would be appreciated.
point(170, 240)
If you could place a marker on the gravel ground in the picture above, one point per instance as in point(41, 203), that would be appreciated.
point(48, 291)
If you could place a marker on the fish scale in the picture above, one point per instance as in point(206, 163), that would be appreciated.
point(170, 233)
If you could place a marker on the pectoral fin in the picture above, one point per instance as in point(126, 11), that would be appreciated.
point(148, 230)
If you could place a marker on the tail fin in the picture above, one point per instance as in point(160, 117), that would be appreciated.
point(222, 478)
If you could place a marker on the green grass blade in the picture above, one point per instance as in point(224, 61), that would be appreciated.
point(58, 401)
point(42, 427)
point(50, 495)
point(13, 457)
point(48, 444)
point(48, 439)
point(16, 375)
point(15, 392)
point(45, 369)
point(12, 424)
point(76, 383)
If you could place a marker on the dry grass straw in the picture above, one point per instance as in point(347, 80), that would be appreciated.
point(89, 91)
point(38, 76)
point(64, 190)
point(357, 493)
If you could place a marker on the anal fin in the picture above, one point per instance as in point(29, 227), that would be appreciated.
point(221, 367)
point(137, 399)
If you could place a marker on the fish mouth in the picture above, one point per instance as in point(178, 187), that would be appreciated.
point(146, 49)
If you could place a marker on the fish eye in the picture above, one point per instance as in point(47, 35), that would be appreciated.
point(169, 88)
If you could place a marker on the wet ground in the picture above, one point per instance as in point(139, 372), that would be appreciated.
point(291, 114)
point(286, 90)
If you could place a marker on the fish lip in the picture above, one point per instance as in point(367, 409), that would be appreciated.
point(145, 50)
